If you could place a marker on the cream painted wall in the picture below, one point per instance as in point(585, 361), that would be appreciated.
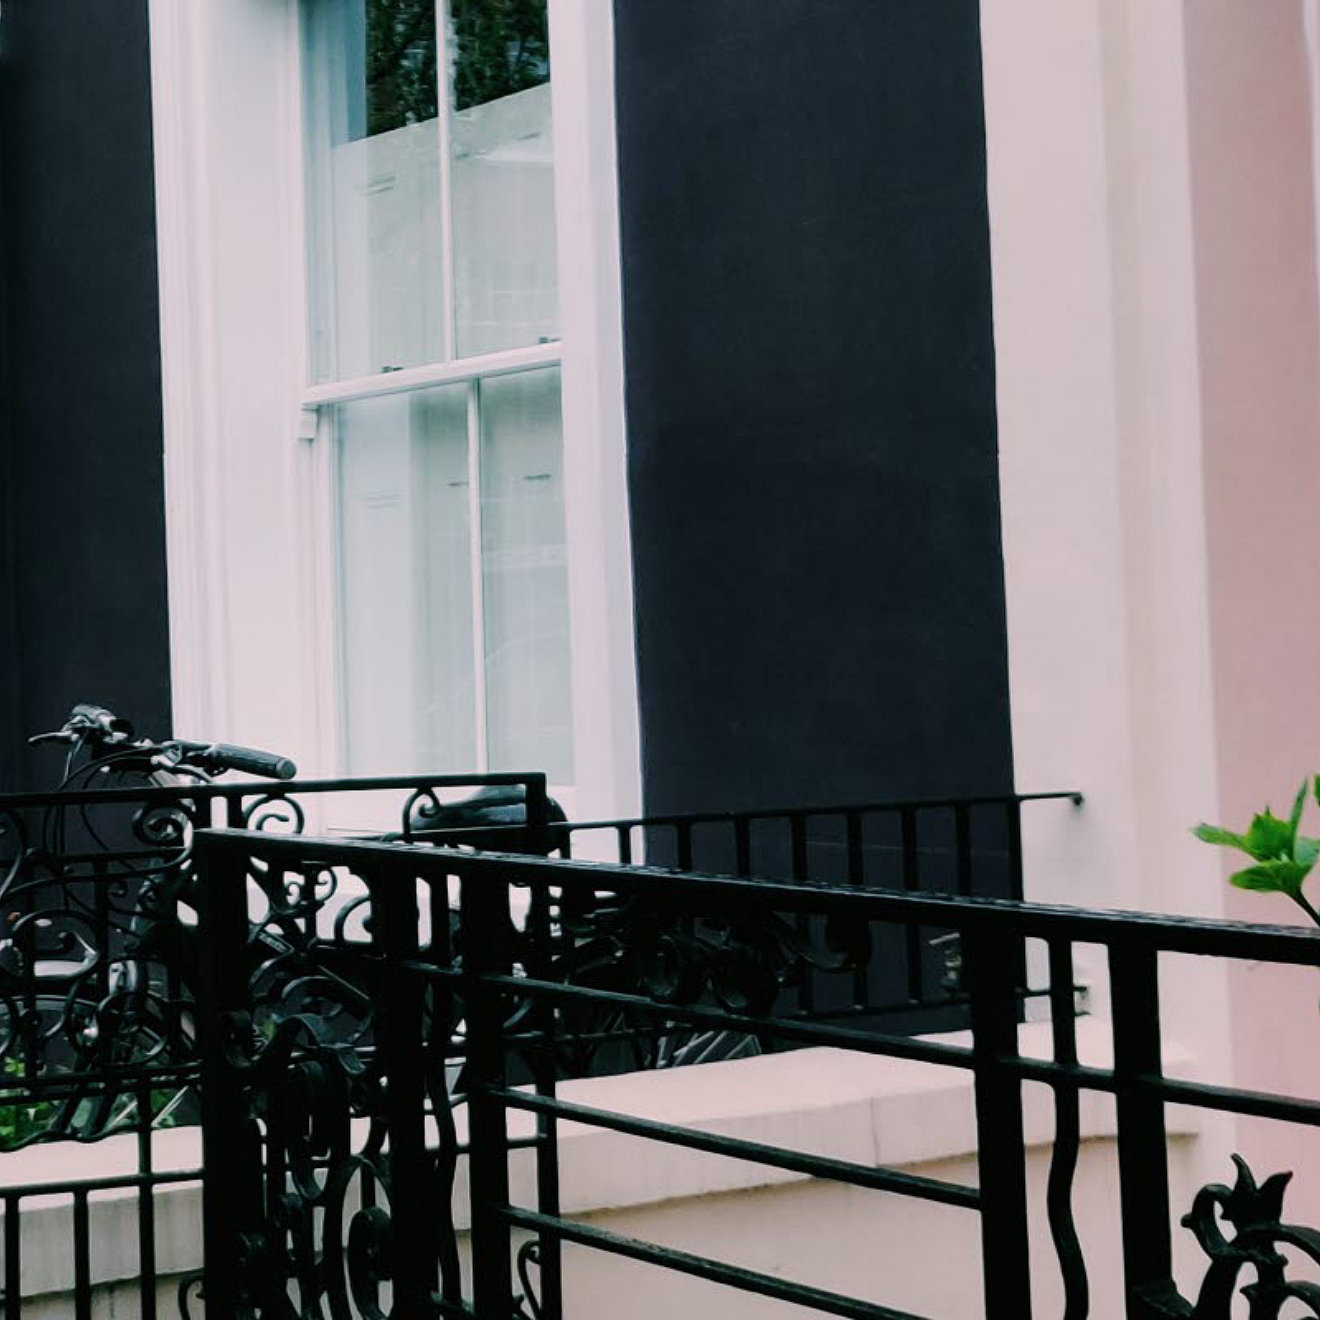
point(1099, 457)
point(1259, 335)
point(1159, 387)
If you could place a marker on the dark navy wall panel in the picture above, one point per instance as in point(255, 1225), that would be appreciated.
point(85, 478)
point(811, 404)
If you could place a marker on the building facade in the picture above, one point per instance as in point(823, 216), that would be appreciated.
point(714, 404)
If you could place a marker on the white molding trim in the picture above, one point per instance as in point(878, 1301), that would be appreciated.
point(250, 536)
point(504, 363)
point(194, 483)
point(606, 725)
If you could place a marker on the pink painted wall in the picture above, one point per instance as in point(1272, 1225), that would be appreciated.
point(1249, 118)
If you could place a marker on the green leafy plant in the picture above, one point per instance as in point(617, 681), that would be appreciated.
point(1282, 857)
point(24, 1120)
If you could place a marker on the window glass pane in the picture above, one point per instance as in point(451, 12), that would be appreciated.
point(376, 272)
point(524, 576)
point(502, 175)
point(407, 589)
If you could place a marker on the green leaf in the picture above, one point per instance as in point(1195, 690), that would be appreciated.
point(1269, 837)
point(1214, 834)
point(1306, 851)
point(1280, 876)
point(1299, 804)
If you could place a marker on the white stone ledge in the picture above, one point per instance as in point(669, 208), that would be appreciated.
point(865, 1109)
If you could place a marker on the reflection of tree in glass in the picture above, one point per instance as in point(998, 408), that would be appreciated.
point(401, 86)
point(501, 47)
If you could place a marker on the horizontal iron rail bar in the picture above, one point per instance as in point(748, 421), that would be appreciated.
point(66, 1085)
point(114, 1183)
point(1169, 934)
point(262, 788)
point(813, 1166)
point(1256, 1104)
point(846, 809)
point(733, 1276)
point(862, 1042)
point(1173, 1090)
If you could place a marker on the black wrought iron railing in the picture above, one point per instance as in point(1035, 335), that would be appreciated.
point(100, 1031)
point(99, 1025)
point(331, 1172)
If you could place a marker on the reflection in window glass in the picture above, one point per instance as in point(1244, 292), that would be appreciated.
point(414, 615)
point(500, 47)
point(406, 615)
point(374, 198)
point(380, 195)
point(502, 176)
point(524, 576)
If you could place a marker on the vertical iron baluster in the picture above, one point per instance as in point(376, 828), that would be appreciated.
point(538, 816)
point(547, 1126)
point(797, 835)
point(1067, 1137)
point(400, 1038)
point(912, 883)
point(857, 877)
point(13, 1259)
point(146, 1206)
point(683, 840)
point(742, 845)
point(82, 1258)
point(443, 1022)
point(852, 824)
point(624, 833)
point(1013, 814)
point(1013, 817)
point(1143, 1170)
point(989, 959)
point(962, 828)
point(222, 927)
point(485, 916)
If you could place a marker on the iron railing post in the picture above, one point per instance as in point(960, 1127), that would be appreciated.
point(538, 816)
point(991, 960)
point(231, 1176)
point(485, 935)
point(399, 1020)
point(1143, 1154)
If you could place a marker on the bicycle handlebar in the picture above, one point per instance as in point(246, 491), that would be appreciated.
point(104, 721)
point(89, 725)
point(217, 757)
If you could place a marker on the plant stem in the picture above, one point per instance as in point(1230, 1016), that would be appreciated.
point(1307, 908)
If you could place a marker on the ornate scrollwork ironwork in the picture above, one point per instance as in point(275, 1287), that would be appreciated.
point(1255, 1213)
point(527, 1306)
point(305, 1055)
point(738, 960)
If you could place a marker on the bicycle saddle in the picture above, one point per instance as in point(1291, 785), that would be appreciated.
point(498, 806)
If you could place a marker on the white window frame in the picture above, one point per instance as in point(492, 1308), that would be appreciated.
point(205, 161)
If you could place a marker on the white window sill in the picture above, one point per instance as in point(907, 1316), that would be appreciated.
point(865, 1109)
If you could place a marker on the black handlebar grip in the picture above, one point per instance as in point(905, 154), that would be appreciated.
point(97, 716)
point(250, 761)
